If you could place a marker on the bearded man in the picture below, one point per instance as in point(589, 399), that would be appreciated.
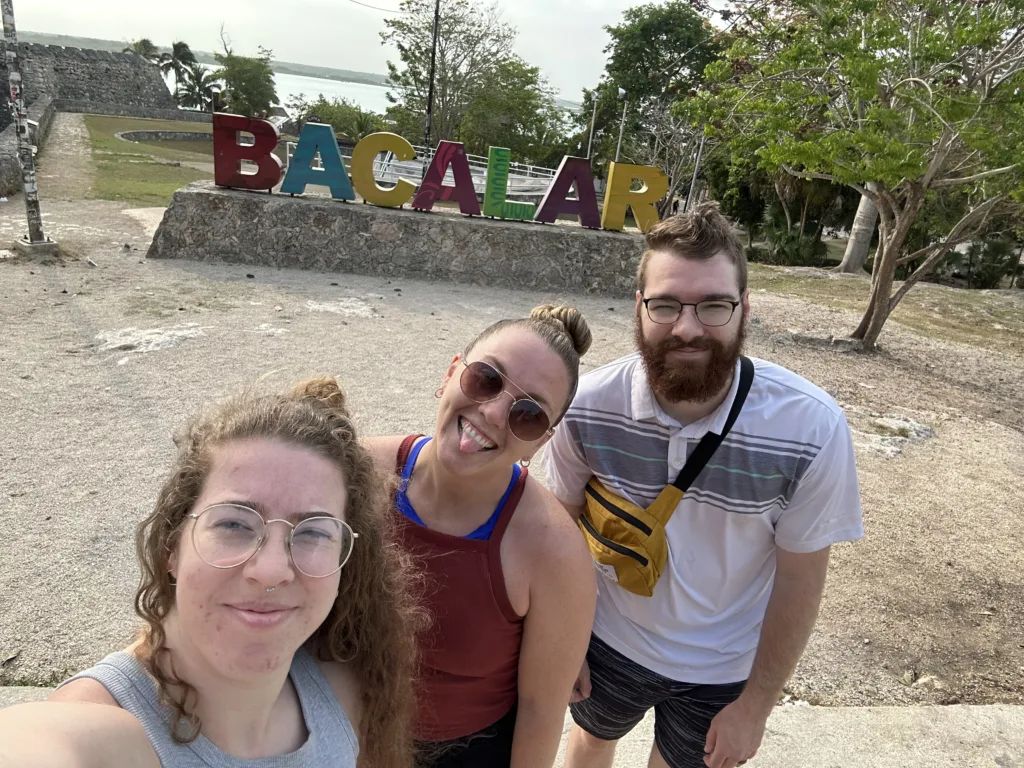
point(712, 644)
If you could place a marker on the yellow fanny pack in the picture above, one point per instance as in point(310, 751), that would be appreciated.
point(628, 542)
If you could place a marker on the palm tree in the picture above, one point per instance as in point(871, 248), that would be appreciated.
point(143, 48)
point(197, 89)
point(177, 61)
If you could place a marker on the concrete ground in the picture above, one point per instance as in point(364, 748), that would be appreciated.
point(841, 737)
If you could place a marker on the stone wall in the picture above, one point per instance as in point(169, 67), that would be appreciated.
point(165, 136)
point(42, 112)
point(120, 110)
point(207, 223)
point(95, 77)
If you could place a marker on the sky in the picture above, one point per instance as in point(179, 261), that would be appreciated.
point(565, 38)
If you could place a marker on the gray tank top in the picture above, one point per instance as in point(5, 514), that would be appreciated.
point(331, 742)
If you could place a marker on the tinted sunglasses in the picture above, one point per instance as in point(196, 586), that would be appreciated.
point(482, 383)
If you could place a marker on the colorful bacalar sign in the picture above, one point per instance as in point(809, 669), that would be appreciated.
point(315, 137)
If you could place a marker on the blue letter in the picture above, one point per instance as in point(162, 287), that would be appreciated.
point(318, 137)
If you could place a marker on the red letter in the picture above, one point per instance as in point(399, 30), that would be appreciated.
point(228, 153)
point(449, 153)
point(573, 170)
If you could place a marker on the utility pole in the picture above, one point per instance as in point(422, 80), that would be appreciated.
point(622, 123)
point(36, 237)
point(430, 88)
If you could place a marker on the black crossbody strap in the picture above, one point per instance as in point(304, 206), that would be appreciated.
point(709, 443)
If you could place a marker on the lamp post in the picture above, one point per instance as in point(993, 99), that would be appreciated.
point(622, 123)
point(593, 121)
point(430, 88)
point(37, 240)
point(693, 180)
point(215, 91)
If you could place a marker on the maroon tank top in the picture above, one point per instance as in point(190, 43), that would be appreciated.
point(469, 656)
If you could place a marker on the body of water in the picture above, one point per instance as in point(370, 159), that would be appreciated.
point(371, 97)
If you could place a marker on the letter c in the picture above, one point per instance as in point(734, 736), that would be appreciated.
point(361, 170)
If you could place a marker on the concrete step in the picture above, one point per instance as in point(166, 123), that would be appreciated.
point(825, 737)
point(871, 737)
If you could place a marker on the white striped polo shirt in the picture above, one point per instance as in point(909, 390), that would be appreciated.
point(784, 477)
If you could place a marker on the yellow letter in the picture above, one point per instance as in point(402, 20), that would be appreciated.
point(617, 197)
point(362, 170)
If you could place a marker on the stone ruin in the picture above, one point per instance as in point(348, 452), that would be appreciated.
point(58, 79)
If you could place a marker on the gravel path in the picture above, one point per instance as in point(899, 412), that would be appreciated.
point(64, 165)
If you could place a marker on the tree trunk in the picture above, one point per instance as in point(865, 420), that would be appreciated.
point(859, 244)
point(890, 245)
point(785, 208)
point(1016, 268)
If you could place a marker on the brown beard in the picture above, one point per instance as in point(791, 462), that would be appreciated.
point(695, 382)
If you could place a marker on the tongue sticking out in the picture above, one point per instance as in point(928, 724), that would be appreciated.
point(468, 443)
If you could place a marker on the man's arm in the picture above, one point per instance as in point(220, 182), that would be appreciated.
point(556, 634)
point(736, 732)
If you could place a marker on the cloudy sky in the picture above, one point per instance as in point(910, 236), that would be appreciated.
point(565, 38)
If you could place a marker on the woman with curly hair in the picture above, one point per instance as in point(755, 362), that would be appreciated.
point(277, 631)
point(506, 575)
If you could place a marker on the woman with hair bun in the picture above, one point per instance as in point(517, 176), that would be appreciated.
point(505, 573)
point(277, 624)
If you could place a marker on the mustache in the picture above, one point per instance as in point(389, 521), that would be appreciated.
point(673, 344)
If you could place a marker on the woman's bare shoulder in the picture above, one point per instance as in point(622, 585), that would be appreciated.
point(544, 525)
point(73, 734)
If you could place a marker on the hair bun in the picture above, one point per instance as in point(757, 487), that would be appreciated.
point(570, 320)
point(324, 389)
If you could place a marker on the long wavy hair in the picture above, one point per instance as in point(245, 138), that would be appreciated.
point(374, 620)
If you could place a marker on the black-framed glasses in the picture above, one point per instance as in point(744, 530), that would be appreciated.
point(482, 382)
point(712, 313)
point(228, 535)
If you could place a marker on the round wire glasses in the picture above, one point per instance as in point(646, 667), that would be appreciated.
point(228, 535)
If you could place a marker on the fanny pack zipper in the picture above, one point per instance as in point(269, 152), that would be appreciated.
point(635, 522)
point(612, 545)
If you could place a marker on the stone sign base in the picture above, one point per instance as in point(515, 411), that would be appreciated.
point(208, 223)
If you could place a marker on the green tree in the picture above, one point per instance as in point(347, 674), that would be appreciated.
point(197, 87)
point(657, 54)
point(512, 108)
point(659, 51)
point(901, 101)
point(144, 48)
point(177, 61)
point(472, 42)
point(249, 80)
point(349, 121)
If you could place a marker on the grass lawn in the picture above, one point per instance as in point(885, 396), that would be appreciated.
point(972, 317)
point(189, 150)
point(139, 173)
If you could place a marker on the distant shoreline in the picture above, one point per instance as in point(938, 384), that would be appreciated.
point(205, 57)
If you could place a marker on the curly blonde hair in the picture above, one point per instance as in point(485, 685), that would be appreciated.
point(374, 620)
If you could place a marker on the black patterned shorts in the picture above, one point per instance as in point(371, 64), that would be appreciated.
point(622, 691)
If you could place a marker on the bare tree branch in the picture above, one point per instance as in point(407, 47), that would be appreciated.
point(975, 177)
point(977, 217)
